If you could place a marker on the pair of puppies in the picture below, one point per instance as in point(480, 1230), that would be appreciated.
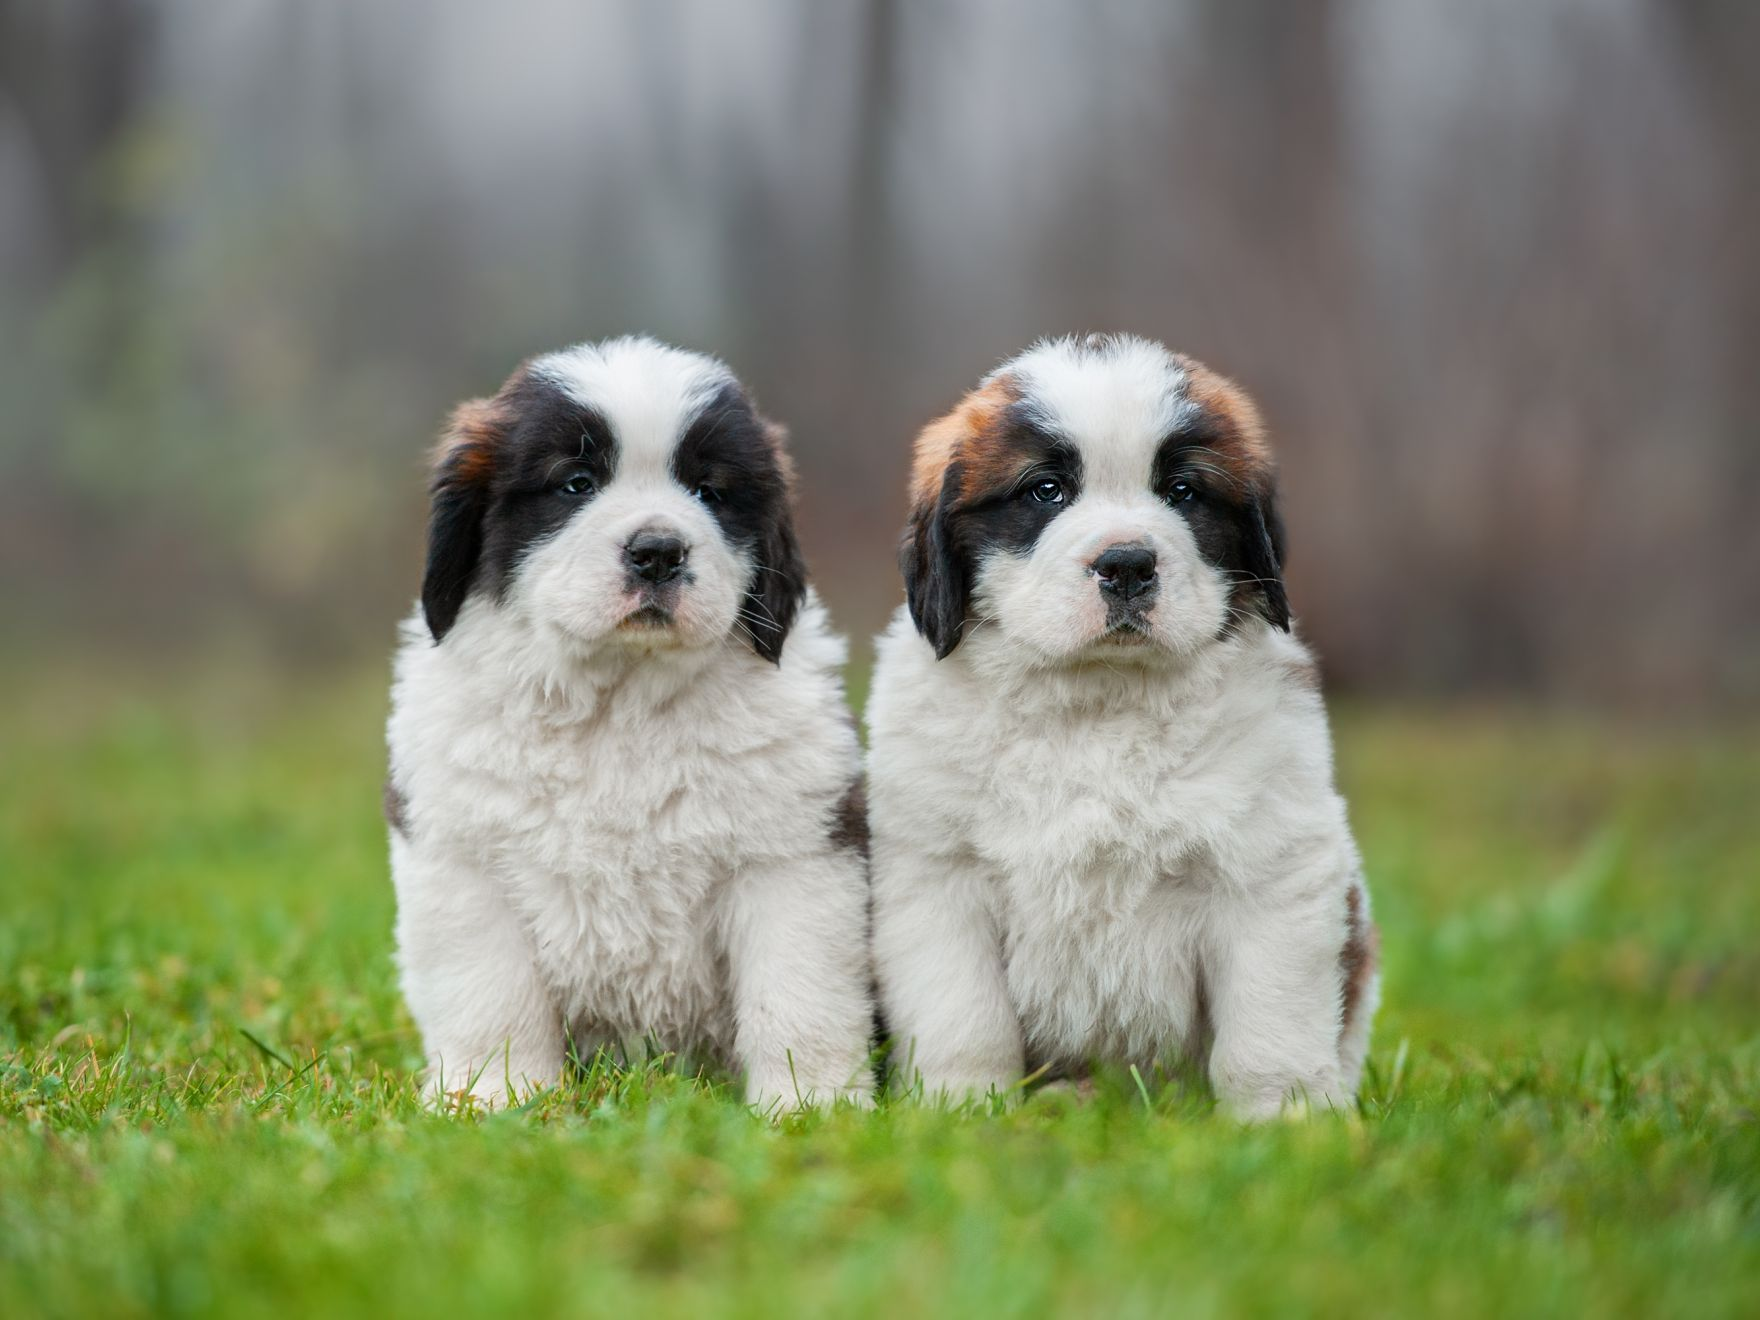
point(627, 805)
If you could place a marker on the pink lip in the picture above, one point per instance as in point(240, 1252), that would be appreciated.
point(647, 616)
point(1125, 634)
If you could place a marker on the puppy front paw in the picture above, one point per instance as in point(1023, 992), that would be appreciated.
point(952, 1089)
point(1075, 1091)
point(775, 1097)
point(451, 1091)
point(446, 1098)
point(1291, 1102)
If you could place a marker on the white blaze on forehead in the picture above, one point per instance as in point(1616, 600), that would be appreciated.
point(1115, 398)
point(646, 392)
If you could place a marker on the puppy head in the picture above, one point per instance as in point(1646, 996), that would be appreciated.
point(622, 494)
point(1095, 498)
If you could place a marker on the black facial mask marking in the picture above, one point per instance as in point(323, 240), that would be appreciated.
point(944, 542)
point(548, 459)
point(729, 458)
point(552, 441)
point(496, 495)
point(1235, 523)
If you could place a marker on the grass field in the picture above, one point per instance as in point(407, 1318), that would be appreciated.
point(207, 1107)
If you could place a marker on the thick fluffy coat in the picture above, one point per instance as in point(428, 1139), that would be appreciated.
point(620, 760)
point(1103, 813)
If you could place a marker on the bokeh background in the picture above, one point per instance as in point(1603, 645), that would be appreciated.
point(1492, 269)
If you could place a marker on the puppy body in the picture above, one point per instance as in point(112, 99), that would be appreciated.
point(1114, 865)
point(615, 828)
point(1094, 848)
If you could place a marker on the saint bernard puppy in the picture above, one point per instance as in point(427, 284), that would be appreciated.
point(1104, 822)
point(624, 796)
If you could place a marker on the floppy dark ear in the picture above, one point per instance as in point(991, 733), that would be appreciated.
point(460, 496)
point(934, 571)
point(1264, 556)
point(779, 585)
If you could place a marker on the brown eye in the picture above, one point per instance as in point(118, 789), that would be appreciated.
point(1180, 492)
point(707, 493)
point(579, 484)
point(1048, 491)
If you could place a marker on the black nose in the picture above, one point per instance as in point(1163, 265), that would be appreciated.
point(655, 556)
point(1126, 571)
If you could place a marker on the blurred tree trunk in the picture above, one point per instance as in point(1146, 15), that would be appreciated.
point(1259, 122)
point(1721, 41)
point(76, 76)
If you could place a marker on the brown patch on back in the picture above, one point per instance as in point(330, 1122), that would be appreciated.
point(396, 807)
point(1241, 447)
point(1359, 957)
point(849, 825)
point(954, 438)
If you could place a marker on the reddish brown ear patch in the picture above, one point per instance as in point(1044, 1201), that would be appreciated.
point(466, 450)
point(1237, 440)
point(969, 435)
point(776, 436)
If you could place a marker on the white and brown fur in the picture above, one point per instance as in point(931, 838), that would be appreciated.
point(621, 767)
point(1103, 816)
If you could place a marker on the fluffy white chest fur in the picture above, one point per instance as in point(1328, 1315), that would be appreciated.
point(588, 855)
point(1145, 863)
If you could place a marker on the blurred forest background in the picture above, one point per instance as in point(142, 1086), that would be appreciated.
point(1493, 269)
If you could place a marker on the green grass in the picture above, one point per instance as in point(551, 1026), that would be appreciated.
point(207, 1107)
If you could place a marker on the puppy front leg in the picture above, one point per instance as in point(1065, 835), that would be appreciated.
point(1272, 972)
point(488, 1024)
point(797, 954)
point(938, 961)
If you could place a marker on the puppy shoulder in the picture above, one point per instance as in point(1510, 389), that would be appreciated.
point(927, 741)
point(423, 704)
point(815, 650)
point(1281, 735)
point(460, 761)
point(909, 685)
point(1275, 700)
point(808, 729)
